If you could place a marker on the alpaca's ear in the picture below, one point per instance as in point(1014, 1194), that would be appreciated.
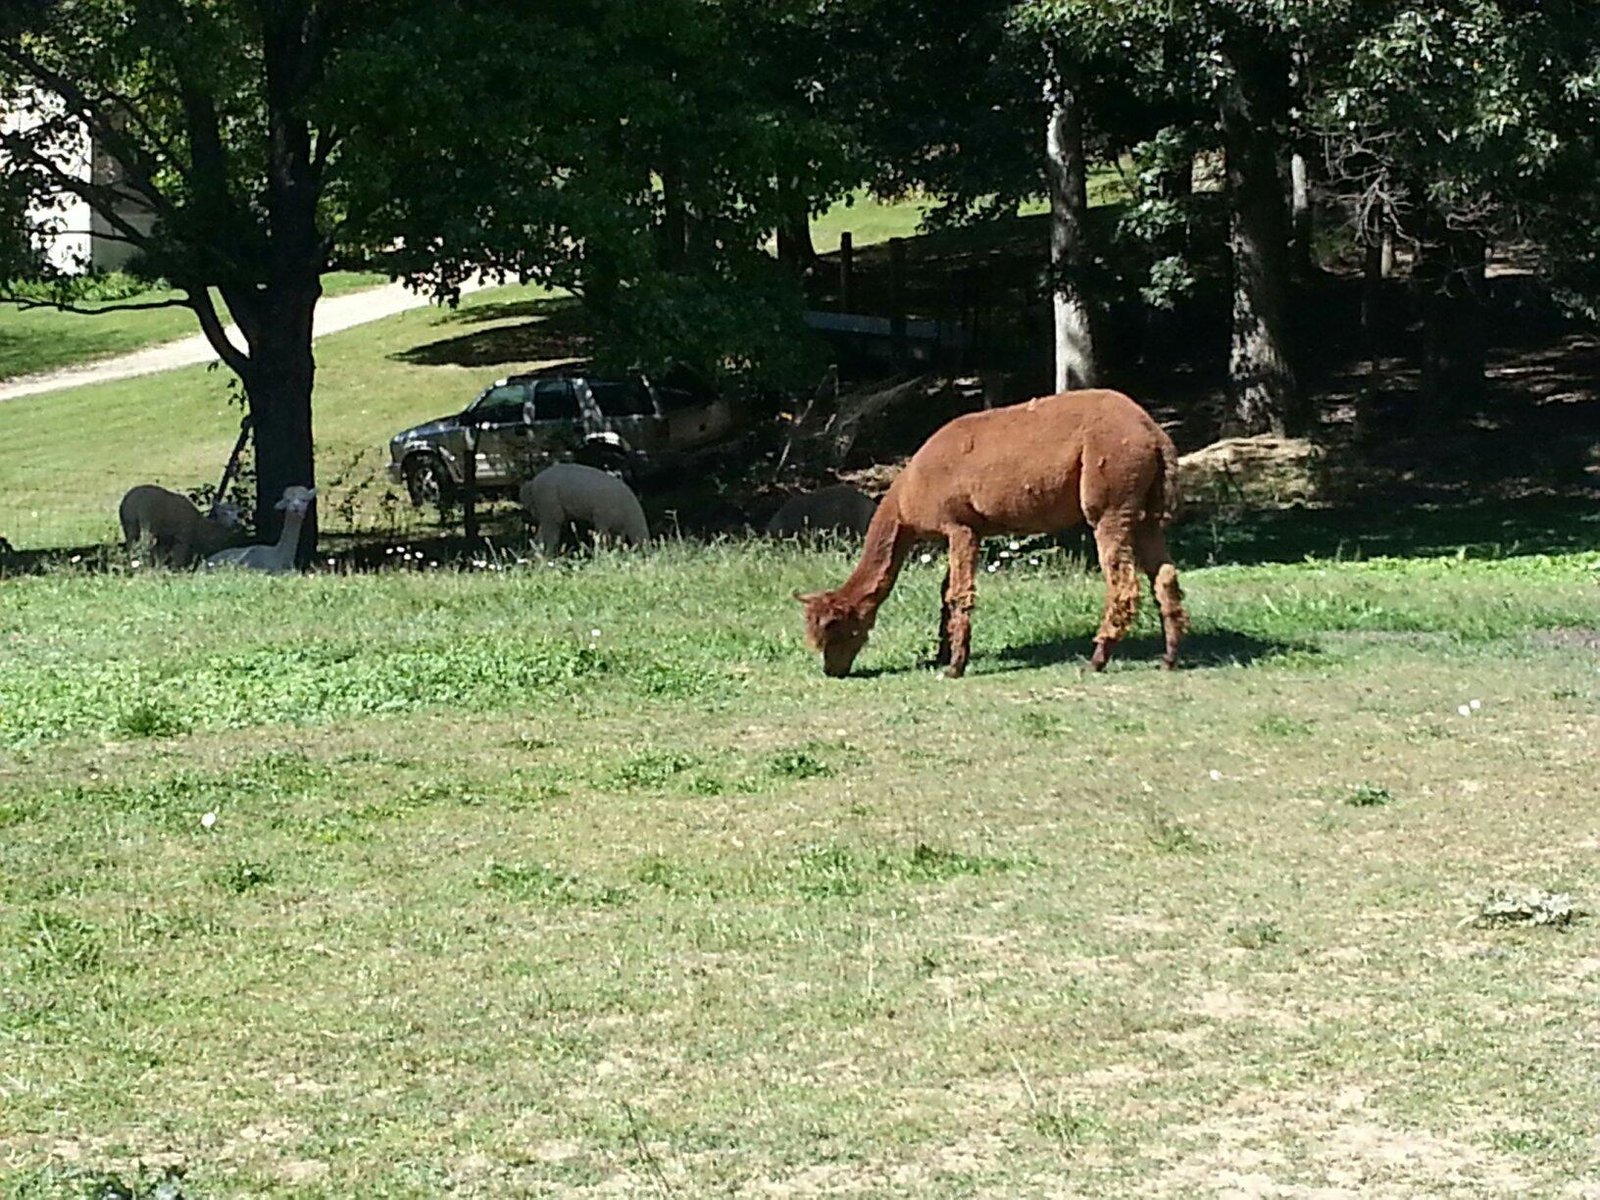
point(803, 597)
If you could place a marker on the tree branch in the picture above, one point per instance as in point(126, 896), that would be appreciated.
point(102, 198)
point(24, 303)
point(211, 325)
point(125, 151)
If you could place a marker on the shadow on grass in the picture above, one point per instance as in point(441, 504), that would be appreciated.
point(1200, 650)
point(544, 329)
point(1219, 649)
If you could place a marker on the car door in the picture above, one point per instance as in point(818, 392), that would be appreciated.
point(500, 417)
point(628, 410)
point(557, 429)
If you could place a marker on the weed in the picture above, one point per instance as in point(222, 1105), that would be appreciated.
point(1278, 725)
point(1368, 795)
point(1038, 724)
point(541, 884)
point(797, 764)
point(149, 720)
point(243, 876)
point(60, 942)
point(830, 872)
point(1255, 935)
point(1068, 1129)
point(653, 769)
point(1171, 836)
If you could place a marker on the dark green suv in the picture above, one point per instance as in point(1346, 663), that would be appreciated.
point(528, 421)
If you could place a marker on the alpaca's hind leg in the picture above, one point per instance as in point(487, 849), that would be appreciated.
point(1115, 545)
point(960, 593)
point(1150, 546)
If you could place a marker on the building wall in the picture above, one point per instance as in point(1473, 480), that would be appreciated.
point(70, 234)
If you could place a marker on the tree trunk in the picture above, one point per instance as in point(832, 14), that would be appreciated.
point(673, 233)
point(279, 382)
point(1266, 392)
point(795, 247)
point(1069, 215)
point(1449, 275)
point(1301, 215)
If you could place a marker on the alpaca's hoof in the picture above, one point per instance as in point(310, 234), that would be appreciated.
point(1168, 664)
point(954, 672)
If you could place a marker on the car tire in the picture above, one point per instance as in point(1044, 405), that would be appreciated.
point(427, 481)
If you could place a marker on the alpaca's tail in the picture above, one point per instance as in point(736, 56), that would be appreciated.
point(1165, 501)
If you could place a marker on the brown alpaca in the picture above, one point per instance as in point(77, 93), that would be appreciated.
point(1038, 467)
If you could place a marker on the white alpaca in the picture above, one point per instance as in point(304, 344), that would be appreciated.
point(279, 556)
point(839, 508)
point(173, 525)
point(573, 492)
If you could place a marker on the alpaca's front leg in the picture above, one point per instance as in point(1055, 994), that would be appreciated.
point(942, 658)
point(960, 593)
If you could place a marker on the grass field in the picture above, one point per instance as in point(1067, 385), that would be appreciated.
point(582, 881)
point(42, 339)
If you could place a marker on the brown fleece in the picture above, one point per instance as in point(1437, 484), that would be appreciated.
point(1037, 467)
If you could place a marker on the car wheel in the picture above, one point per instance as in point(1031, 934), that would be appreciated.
point(427, 481)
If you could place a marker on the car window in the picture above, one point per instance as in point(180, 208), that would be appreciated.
point(555, 400)
point(501, 405)
point(621, 399)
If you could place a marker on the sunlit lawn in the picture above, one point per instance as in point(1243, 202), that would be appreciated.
point(582, 880)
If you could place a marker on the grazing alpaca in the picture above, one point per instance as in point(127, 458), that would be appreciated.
point(840, 508)
point(573, 492)
point(172, 525)
point(1037, 467)
point(279, 556)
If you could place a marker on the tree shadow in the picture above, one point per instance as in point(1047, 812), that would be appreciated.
point(1394, 524)
point(543, 330)
point(89, 560)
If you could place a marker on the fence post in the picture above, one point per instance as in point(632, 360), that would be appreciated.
point(897, 300)
point(469, 488)
point(847, 267)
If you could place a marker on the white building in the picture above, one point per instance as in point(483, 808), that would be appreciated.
point(71, 235)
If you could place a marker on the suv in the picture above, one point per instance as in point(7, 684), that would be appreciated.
point(528, 421)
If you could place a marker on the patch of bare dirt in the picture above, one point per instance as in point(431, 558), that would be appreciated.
point(1570, 639)
point(1317, 1147)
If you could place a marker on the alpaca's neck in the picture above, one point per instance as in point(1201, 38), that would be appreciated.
point(887, 544)
point(289, 536)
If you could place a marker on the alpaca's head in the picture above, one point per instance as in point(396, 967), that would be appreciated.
point(835, 629)
point(227, 514)
point(297, 499)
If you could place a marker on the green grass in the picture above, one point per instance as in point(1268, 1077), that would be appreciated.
point(492, 905)
point(43, 339)
point(870, 220)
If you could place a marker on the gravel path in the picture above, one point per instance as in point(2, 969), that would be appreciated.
point(339, 312)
